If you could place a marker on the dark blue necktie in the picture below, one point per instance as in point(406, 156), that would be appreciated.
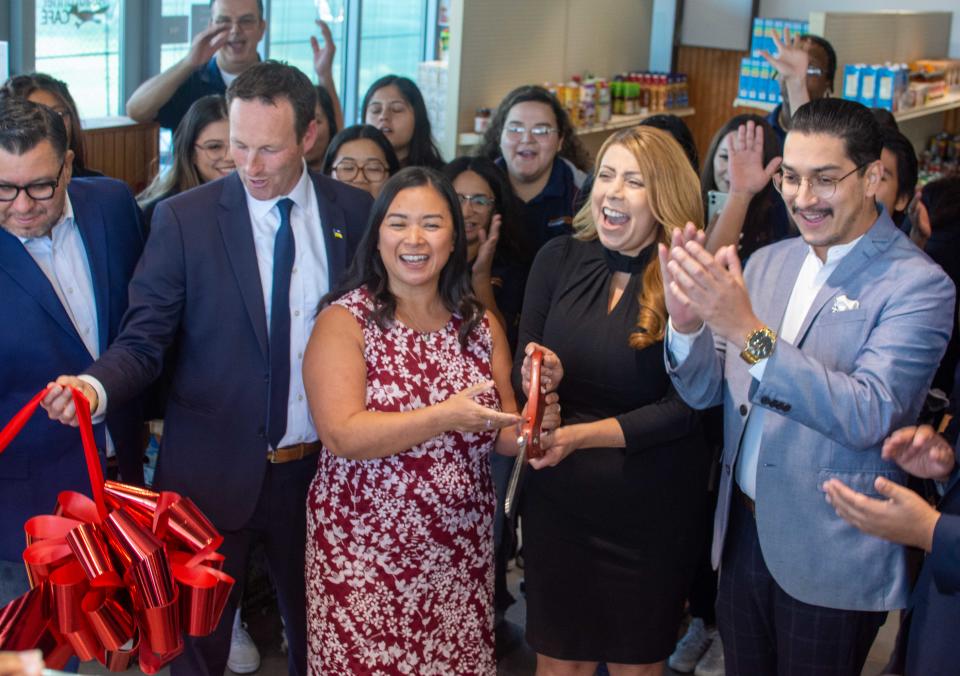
point(284, 249)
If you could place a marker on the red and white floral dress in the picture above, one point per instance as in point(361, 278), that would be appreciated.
point(399, 565)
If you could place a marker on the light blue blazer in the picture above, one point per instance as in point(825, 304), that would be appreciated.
point(854, 374)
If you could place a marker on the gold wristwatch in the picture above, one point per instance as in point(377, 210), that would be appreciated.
point(759, 345)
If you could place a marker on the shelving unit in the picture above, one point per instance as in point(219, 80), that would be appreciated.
point(616, 122)
point(941, 105)
point(752, 103)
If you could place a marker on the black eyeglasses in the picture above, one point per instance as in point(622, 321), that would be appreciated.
point(38, 192)
point(373, 170)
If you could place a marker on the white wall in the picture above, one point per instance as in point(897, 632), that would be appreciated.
point(497, 45)
point(800, 9)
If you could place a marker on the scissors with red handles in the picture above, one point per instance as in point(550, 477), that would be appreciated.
point(529, 439)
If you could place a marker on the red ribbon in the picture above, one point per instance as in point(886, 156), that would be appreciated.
point(117, 576)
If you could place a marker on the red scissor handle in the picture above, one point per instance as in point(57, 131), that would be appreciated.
point(533, 414)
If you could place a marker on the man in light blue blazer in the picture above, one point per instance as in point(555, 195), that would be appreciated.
point(820, 350)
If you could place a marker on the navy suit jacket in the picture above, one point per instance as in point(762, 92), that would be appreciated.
point(39, 342)
point(928, 635)
point(198, 284)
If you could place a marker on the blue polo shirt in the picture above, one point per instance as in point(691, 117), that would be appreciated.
point(203, 81)
point(550, 214)
point(774, 119)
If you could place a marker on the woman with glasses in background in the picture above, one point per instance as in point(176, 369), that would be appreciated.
point(531, 137)
point(395, 106)
point(201, 153)
point(53, 93)
point(361, 156)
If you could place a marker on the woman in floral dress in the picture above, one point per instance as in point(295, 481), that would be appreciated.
point(409, 385)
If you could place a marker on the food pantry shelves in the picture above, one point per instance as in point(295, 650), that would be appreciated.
point(616, 122)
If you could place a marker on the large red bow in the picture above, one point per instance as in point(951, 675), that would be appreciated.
point(122, 574)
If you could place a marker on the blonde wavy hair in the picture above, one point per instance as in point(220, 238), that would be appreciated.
point(673, 195)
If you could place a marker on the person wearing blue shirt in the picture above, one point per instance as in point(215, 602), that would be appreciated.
point(806, 66)
point(218, 54)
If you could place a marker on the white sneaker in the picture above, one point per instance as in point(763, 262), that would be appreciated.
point(711, 664)
point(691, 647)
point(244, 656)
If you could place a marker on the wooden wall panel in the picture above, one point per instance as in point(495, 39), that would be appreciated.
point(124, 150)
point(714, 74)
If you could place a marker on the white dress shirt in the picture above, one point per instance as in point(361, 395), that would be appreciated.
point(308, 284)
point(813, 274)
point(63, 259)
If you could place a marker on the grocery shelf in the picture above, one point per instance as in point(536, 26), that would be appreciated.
point(616, 122)
point(941, 105)
point(752, 103)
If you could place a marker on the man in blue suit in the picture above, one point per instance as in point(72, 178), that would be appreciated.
point(927, 643)
point(67, 251)
point(234, 271)
point(824, 346)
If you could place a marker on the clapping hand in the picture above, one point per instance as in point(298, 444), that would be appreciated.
point(920, 451)
point(904, 517)
point(748, 176)
point(683, 317)
point(709, 287)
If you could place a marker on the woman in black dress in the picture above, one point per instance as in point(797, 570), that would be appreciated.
point(610, 520)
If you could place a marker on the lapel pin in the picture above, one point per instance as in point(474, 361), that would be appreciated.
point(337, 233)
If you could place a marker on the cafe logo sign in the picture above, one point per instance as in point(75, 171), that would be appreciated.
point(60, 13)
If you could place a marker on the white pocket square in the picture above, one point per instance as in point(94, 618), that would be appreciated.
point(841, 304)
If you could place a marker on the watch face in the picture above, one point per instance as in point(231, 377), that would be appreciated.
point(760, 344)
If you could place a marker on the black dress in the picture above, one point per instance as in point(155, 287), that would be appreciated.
point(610, 535)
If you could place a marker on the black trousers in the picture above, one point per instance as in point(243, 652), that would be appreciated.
point(280, 522)
point(766, 631)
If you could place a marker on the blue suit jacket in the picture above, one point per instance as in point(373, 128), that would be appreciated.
point(849, 379)
point(39, 342)
point(927, 643)
point(198, 284)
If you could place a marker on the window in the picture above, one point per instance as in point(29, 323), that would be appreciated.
point(293, 23)
point(79, 43)
point(83, 42)
point(392, 36)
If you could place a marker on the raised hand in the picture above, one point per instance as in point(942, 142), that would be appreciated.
point(791, 59)
point(206, 44)
point(483, 263)
point(551, 370)
point(464, 414)
point(745, 169)
point(59, 400)
point(682, 315)
point(920, 451)
point(323, 56)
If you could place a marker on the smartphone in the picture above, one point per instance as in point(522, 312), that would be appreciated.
point(715, 202)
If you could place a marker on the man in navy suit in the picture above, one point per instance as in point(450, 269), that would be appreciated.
point(927, 643)
point(67, 251)
point(234, 270)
